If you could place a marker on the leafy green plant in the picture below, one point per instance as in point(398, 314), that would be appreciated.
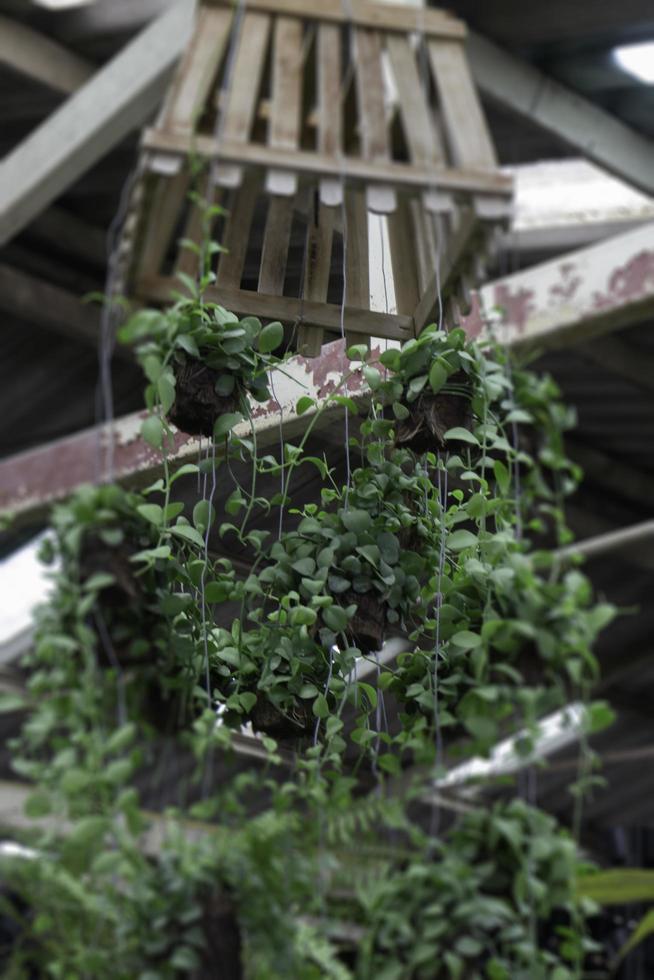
point(201, 361)
point(496, 900)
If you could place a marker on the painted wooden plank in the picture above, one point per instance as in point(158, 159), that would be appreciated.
point(357, 263)
point(428, 232)
point(320, 238)
point(241, 108)
point(491, 183)
point(330, 107)
point(401, 236)
point(467, 131)
point(373, 125)
point(286, 103)
point(450, 261)
point(237, 231)
point(359, 322)
point(421, 123)
point(364, 13)
point(196, 71)
point(424, 143)
point(468, 135)
point(166, 203)
point(277, 237)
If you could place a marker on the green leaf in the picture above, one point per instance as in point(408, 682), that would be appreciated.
point(225, 385)
point(185, 958)
point(437, 376)
point(188, 533)
point(152, 367)
point(216, 591)
point(187, 343)
point(152, 431)
point(37, 805)
point(618, 886)
point(458, 540)
point(304, 566)
point(644, 929)
point(225, 423)
point(356, 520)
point(186, 470)
point(166, 390)
point(462, 435)
point(321, 706)
point(466, 640)
point(271, 337)
point(304, 404)
point(11, 702)
point(357, 352)
point(502, 476)
point(203, 515)
point(152, 513)
point(335, 618)
point(372, 377)
point(599, 715)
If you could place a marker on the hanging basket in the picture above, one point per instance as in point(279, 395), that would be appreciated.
point(312, 119)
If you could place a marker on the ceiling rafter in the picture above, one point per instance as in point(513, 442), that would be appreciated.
point(576, 121)
point(117, 99)
point(30, 53)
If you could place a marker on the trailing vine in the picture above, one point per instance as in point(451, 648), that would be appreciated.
point(150, 638)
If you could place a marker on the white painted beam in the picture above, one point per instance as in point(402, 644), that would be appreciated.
point(43, 60)
point(580, 295)
point(120, 97)
point(579, 123)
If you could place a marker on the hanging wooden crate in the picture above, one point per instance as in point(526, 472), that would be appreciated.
point(311, 120)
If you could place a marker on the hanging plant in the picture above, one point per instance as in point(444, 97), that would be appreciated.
point(202, 362)
point(496, 900)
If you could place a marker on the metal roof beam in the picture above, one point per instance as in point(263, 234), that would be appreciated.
point(578, 122)
point(118, 98)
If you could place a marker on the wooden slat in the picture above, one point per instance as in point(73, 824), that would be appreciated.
point(286, 103)
point(429, 233)
point(425, 145)
point(236, 124)
point(491, 183)
point(330, 107)
point(404, 261)
point(357, 270)
point(165, 205)
point(467, 131)
point(237, 232)
point(374, 135)
point(277, 237)
point(450, 263)
point(420, 122)
point(197, 70)
point(320, 238)
point(359, 323)
point(364, 13)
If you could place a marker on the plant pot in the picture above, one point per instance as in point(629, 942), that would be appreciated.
point(298, 721)
point(430, 417)
point(222, 954)
point(368, 625)
point(197, 405)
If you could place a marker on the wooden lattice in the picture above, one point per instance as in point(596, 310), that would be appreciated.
point(312, 119)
